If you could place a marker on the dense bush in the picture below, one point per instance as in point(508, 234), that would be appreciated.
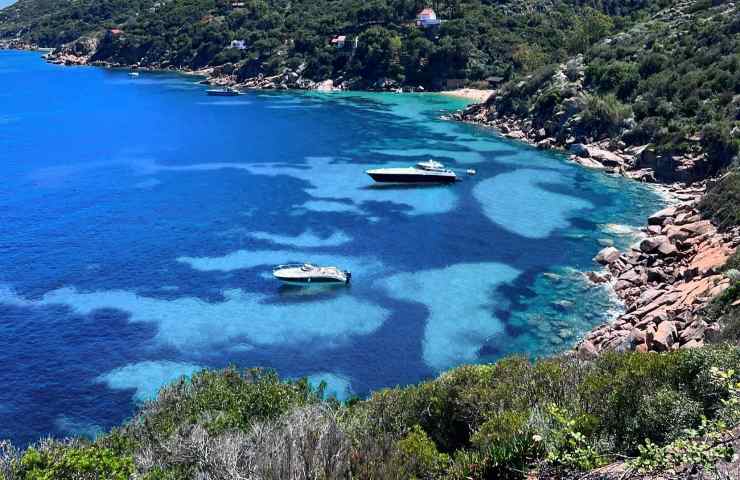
point(722, 201)
point(605, 115)
point(71, 461)
point(223, 401)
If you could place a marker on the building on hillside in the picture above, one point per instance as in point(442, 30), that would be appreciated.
point(238, 44)
point(427, 18)
point(339, 41)
point(454, 83)
point(238, 5)
point(494, 82)
point(113, 33)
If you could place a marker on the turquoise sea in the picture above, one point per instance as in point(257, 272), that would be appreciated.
point(141, 219)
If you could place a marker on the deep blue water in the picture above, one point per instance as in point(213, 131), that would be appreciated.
point(140, 219)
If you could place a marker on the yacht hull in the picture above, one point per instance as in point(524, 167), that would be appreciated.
point(410, 178)
point(307, 282)
point(219, 93)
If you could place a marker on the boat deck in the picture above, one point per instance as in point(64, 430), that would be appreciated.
point(297, 272)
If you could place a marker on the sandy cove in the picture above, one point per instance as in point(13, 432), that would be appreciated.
point(472, 94)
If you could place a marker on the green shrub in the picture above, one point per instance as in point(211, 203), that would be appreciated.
point(223, 400)
point(723, 311)
point(419, 455)
point(719, 145)
point(566, 445)
point(74, 463)
point(663, 415)
point(546, 103)
point(501, 428)
point(507, 444)
point(722, 201)
point(701, 448)
point(605, 114)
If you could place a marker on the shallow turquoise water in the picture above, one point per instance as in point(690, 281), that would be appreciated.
point(141, 219)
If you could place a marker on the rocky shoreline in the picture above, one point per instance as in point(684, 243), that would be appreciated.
point(666, 280)
point(83, 52)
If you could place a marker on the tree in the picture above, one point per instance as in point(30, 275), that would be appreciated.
point(591, 27)
point(378, 55)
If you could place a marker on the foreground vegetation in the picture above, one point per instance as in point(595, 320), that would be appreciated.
point(557, 416)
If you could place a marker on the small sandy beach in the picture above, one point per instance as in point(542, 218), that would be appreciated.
point(478, 96)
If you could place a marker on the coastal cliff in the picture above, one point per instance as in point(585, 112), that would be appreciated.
point(617, 109)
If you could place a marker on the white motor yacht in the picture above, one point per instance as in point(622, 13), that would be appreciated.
point(423, 172)
point(307, 274)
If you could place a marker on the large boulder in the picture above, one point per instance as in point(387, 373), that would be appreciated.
point(667, 249)
point(598, 277)
point(710, 259)
point(646, 157)
point(587, 350)
point(605, 157)
point(579, 150)
point(632, 276)
point(607, 256)
point(659, 217)
point(665, 336)
point(694, 332)
point(652, 244)
point(698, 228)
point(325, 86)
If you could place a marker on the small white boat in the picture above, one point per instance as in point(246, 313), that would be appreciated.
point(133, 74)
point(423, 172)
point(223, 92)
point(307, 274)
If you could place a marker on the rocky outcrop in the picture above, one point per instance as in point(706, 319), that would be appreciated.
point(637, 162)
point(16, 44)
point(78, 52)
point(665, 281)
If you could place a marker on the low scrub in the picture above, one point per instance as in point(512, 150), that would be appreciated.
point(475, 422)
point(722, 201)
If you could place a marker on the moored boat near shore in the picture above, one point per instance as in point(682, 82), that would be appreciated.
point(223, 92)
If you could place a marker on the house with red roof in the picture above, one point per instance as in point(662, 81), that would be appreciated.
point(427, 18)
point(339, 41)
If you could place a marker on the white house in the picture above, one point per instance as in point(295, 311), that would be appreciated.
point(238, 44)
point(339, 41)
point(427, 18)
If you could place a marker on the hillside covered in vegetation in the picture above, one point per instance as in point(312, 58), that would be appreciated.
point(662, 95)
point(476, 40)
